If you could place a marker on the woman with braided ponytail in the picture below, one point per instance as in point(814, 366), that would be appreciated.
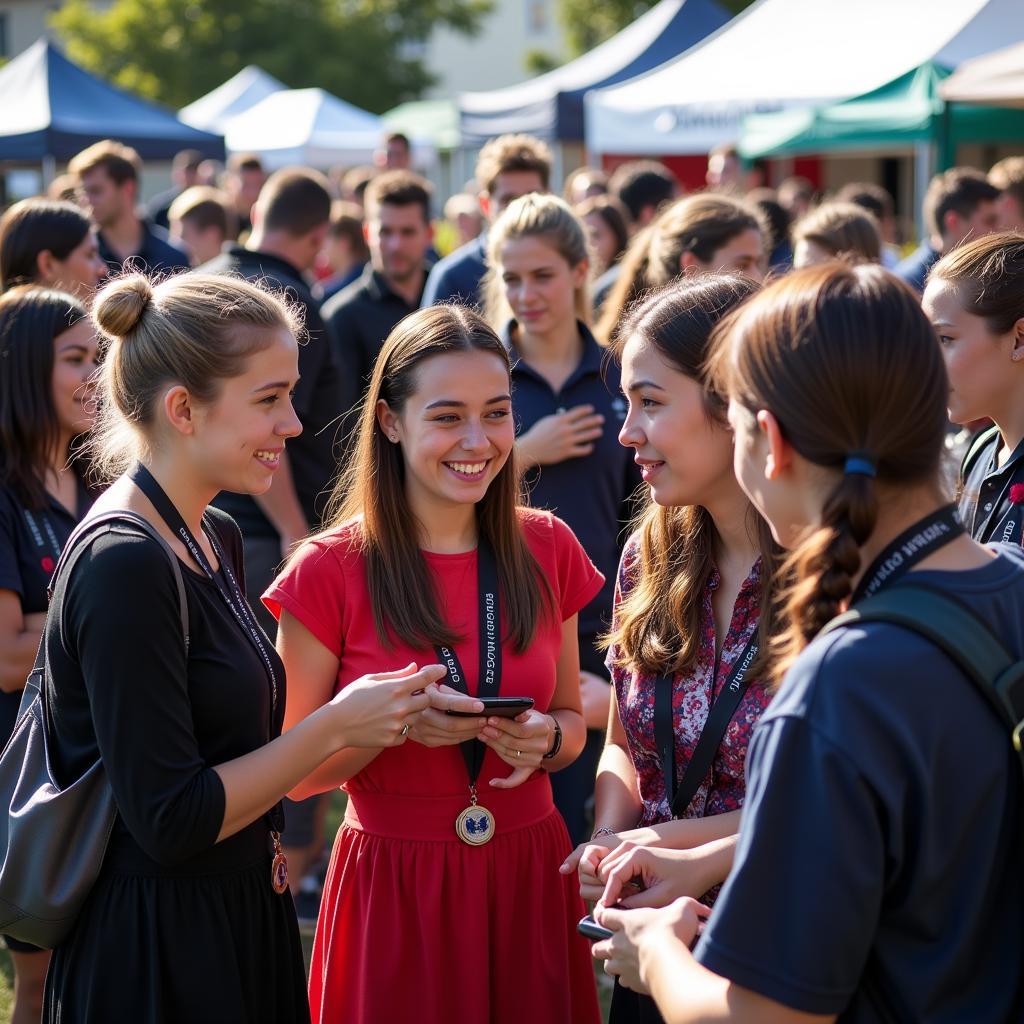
point(876, 877)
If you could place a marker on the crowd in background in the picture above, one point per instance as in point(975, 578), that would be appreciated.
point(579, 289)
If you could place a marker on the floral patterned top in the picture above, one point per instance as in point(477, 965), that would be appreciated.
point(693, 695)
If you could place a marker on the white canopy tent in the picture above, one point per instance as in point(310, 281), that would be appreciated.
point(996, 78)
point(788, 53)
point(240, 92)
point(305, 126)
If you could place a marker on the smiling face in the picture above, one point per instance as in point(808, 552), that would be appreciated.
point(74, 364)
point(984, 378)
point(239, 438)
point(683, 453)
point(540, 285)
point(455, 431)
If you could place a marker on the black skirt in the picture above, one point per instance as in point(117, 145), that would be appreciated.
point(207, 941)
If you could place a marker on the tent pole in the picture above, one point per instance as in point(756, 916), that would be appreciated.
point(924, 161)
point(49, 169)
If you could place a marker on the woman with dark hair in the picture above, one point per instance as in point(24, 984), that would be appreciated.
point(50, 243)
point(692, 617)
point(47, 357)
point(975, 299)
point(877, 873)
point(445, 870)
point(607, 222)
point(700, 234)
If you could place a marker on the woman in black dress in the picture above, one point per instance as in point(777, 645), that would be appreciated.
point(190, 919)
point(47, 355)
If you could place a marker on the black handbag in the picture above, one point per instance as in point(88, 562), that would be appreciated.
point(54, 837)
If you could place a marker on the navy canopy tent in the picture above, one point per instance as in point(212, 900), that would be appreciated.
point(551, 106)
point(51, 108)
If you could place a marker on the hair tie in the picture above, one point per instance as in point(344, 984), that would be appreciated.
point(859, 464)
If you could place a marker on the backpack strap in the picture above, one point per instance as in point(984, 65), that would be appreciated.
point(978, 445)
point(961, 635)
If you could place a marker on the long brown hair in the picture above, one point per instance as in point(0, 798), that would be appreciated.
point(701, 224)
point(658, 626)
point(372, 487)
point(848, 363)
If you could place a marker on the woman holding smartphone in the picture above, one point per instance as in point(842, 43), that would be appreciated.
point(447, 861)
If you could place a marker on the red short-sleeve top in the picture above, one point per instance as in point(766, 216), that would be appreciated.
point(324, 587)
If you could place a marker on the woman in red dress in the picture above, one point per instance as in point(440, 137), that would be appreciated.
point(443, 901)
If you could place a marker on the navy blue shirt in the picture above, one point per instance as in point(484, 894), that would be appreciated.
point(881, 842)
point(155, 254)
point(590, 493)
point(984, 504)
point(457, 277)
point(31, 541)
point(914, 269)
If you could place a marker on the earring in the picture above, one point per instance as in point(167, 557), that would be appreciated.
point(394, 437)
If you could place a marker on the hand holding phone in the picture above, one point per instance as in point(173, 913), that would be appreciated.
point(589, 928)
point(499, 707)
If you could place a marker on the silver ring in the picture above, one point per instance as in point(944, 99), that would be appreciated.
point(405, 729)
point(519, 753)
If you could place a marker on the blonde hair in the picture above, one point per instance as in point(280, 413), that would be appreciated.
point(844, 230)
point(534, 216)
point(196, 330)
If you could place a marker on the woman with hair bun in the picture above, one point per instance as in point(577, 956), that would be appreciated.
point(190, 918)
point(47, 362)
point(51, 244)
point(877, 873)
point(975, 300)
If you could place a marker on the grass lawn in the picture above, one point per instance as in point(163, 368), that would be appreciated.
point(334, 816)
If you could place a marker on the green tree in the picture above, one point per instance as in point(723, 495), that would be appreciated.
point(589, 22)
point(369, 52)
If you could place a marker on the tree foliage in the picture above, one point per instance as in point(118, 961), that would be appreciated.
point(589, 22)
point(366, 51)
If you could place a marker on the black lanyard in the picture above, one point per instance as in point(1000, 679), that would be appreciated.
point(912, 546)
point(490, 651)
point(1013, 530)
point(719, 716)
point(230, 592)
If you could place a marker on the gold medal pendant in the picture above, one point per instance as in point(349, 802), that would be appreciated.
point(279, 867)
point(475, 825)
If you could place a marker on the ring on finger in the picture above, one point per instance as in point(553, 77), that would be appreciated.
point(405, 729)
point(519, 753)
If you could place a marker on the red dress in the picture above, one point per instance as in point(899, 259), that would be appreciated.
point(415, 925)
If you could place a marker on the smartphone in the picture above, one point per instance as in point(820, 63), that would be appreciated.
point(500, 707)
point(592, 930)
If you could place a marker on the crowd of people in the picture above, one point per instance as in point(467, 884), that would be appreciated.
point(528, 528)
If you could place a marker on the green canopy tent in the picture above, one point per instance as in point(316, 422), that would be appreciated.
point(907, 111)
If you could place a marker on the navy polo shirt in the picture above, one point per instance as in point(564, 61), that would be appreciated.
point(156, 254)
point(880, 847)
point(590, 493)
point(457, 277)
point(31, 541)
point(984, 505)
point(914, 269)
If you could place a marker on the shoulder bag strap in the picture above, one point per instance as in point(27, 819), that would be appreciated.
point(73, 550)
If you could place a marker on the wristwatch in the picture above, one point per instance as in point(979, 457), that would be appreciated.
point(556, 744)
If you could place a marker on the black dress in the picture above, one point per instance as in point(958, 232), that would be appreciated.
point(179, 928)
